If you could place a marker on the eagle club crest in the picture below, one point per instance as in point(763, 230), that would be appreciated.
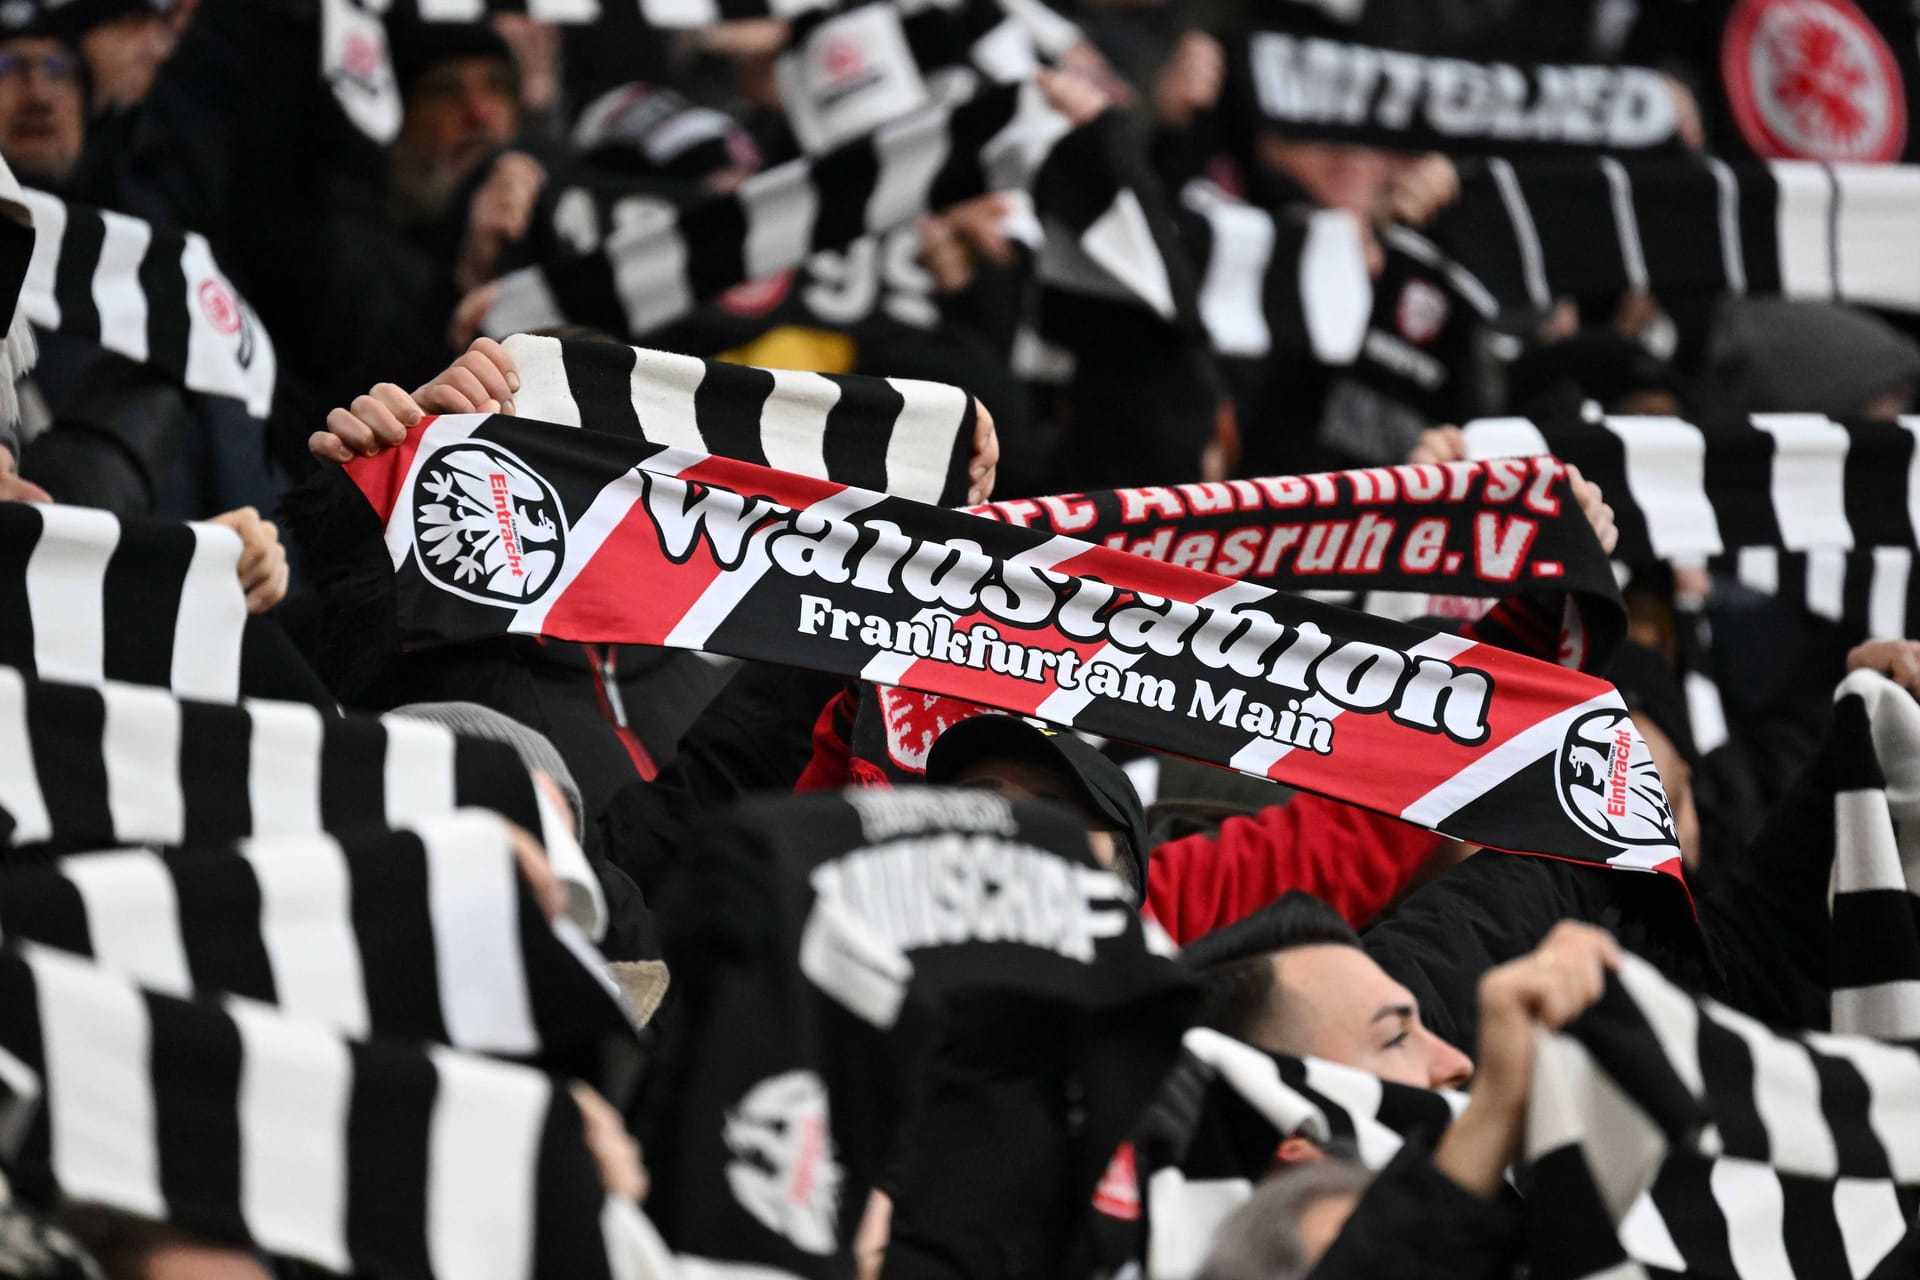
point(1421, 312)
point(915, 722)
point(485, 526)
point(1813, 80)
point(784, 1171)
point(1609, 785)
point(228, 316)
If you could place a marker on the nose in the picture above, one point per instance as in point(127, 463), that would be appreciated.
point(484, 109)
point(1447, 1067)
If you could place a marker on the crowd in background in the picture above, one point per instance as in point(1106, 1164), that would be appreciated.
point(1312, 928)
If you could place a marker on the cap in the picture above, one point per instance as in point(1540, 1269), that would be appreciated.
point(1103, 785)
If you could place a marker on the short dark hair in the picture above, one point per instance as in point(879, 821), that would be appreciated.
point(1294, 919)
point(1126, 864)
point(1235, 963)
point(1235, 996)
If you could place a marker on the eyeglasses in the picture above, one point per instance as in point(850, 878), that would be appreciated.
point(61, 68)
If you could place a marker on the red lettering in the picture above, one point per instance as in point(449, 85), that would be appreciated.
point(1154, 548)
point(1425, 541)
point(1423, 483)
point(1279, 539)
point(1194, 550)
point(1371, 536)
point(1137, 504)
point(1071, 513)
point(1375, 484)
point(1236, 551)
point(1617, 773)
point(1498, 552)
point(503, 517)
point(1541, 497)
point(1283, 491)
point(1207, 499)
point(1505, 478)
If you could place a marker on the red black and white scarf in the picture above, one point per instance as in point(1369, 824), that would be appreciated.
point(489, 525)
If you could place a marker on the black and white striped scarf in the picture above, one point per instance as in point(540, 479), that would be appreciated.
point(868, 60)
point(1873, 768)
point(86, 596)
point(658, 13)
point(152, 295)
point(1050, 32)
point(1296, 288)
point(1092, 197)
point(1212, 1132)
point(1525, 232)
point(426, 934)
point(1535, 230)
point(894, 435)
point(1668, 1133)
point(1841, 498)
point(252, 1128)
point(1665, 1133)
point(1266, 281)
point(92, 768)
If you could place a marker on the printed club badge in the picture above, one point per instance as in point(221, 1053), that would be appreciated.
point(915, 722)
point(485, 526)
point(1421, 312)
point(784, 1170)
point(1609, 784)
point(1813, 80)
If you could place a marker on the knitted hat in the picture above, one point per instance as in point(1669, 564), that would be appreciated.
point(472, 720)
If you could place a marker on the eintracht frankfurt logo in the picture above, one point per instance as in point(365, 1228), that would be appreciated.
point(915, 722)
point(1609, 785)
point(784, 1171)
point(485, 526)
point(1813, 80)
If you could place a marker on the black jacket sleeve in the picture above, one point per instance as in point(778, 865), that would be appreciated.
point(1495, 907)
point(118, 434)
point(1415, 1223)
point(757, 735)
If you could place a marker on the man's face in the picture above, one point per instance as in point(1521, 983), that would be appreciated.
point(1018, 779)
point(1334, 174)
point(124, 56)
point(43, 120)
point(1343, 1007)
point(185, 1261)
point(459, 111)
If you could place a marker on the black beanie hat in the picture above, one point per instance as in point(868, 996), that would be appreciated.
point(418, 45)
point(77, 17)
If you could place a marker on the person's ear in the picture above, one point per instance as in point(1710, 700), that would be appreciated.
point(1297, 1150)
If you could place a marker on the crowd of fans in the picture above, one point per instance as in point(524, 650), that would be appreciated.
point(1314, 928)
